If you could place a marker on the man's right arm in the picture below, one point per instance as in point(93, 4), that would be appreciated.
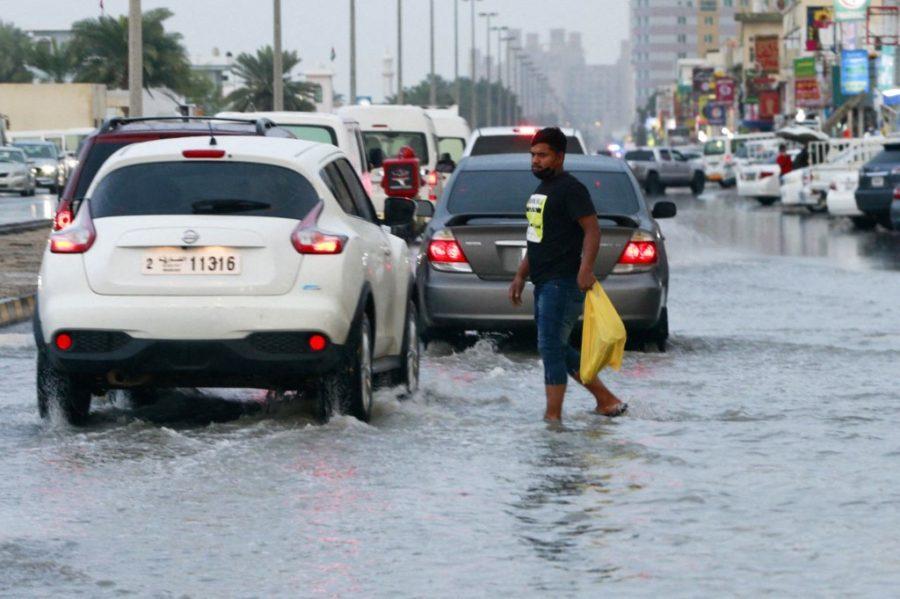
point(518, 283)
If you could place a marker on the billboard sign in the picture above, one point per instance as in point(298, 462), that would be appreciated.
point(854, 72)
point(817, 19)
point(703, 80)
point(850, 10)
point(886, 66)
point(725, 89)
point(766, 47)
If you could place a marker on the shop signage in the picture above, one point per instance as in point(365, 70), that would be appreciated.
point(850, 10)
point(854, 72)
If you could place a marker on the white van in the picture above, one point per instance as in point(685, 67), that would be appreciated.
point(723, 155)
point(386, 129)
point(321, 127)
point(452, 131)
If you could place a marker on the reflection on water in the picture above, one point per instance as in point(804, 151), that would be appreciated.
point(15, 209)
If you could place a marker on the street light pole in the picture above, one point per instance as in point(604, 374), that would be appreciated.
point(135, 59)
point(400, 52)
point(277, 67)
point(487, 89)
point(456, 91)
point(352, 99)
point(473, 99)
point(432, 90)
point(500, 100)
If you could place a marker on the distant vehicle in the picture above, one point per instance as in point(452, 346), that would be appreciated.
point(761, 180)
point(878, 180)
point(244, 262)
point(119, 132)
point(452, 132)
point(841, 198)
point(723, 155)
point(322, 127)
point(662, 167)
point(472, 248)
point(67, 141)
point(47, 166)
point(831, 161)
point(515, 140)
point(15, 172)
point(386, 130)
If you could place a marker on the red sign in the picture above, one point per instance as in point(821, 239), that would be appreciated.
point(767, 53)
point(807, 93)
point(769, 104)
point(725, 90)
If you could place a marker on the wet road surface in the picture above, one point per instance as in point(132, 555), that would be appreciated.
point(16, 209)
point(760, 456)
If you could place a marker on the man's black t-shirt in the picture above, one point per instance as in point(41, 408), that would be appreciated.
point(554, 235)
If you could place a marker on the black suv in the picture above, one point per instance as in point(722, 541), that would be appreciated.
point(119, 132)
point(878, 180)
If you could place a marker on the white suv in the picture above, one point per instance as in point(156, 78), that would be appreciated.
point(229, 262)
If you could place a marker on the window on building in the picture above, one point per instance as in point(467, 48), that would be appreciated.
point(682, 38)
point(709, 20)
point(682, 20)
point(708, 39)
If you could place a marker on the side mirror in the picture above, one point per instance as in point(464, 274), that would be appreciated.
point(664, 209)
point(424, 208)
point(376, 158)
point(399, 212)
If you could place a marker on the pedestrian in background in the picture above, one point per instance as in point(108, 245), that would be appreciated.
point(563, 243)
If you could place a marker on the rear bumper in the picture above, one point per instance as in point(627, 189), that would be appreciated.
point(256, 361)
point(842, 203)
point(463, 301)
point(876, 202)
point(769, 187)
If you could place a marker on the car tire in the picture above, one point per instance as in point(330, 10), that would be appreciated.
point(863, 223)
point(654, 186)
point(141, 397)
point(411, 351)
point(659, 334)
point(698, 184)
point(62, 391)
point(726, 183)
point(349, 388)
point(766, 201)
point(24, 193)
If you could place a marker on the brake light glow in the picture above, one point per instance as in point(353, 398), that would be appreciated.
point(62, 219)
point(64, 341)
point(729, 158)
point(432, 178)
point(640, 254)
point(525, 130)
point(317, 342)
point(897, 193)
point(308, 240)
point(446, 254)
point(203, 153)
point(75, 238)
point(765, 174)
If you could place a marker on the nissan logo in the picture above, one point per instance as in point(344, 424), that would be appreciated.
point(190, 237)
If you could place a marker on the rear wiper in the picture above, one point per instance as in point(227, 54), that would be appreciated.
point(227, 206)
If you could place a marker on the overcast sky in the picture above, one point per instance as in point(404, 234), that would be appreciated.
point(313, 27)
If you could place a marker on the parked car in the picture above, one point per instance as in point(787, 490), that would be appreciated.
point(47, 167)
point(841, 198)
point(760, 180)
point(878, 180)
point(321, 127)
point(386, 129)
point(723, 155)
point(15, 172)
point(515, 140)
point(658, 168)
point(472, 247)
point(833, 162)
point(116, 133)
point(239, 262)
point(895, 210)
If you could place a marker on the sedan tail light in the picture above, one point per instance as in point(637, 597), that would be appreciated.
point(765, 174)
point(640, 254)
point(897, 193)
point(445, 253)
point(77, 238)
point(310, 240)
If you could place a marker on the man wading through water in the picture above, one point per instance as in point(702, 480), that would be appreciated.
point(563, 242)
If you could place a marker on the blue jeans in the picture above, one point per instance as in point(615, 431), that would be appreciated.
point(557, 306)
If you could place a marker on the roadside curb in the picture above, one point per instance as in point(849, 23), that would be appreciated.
point(31, 225)
point(17, 309)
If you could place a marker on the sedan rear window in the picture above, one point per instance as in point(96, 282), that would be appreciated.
point(890, 155)
point(226, 188)
point(506, 192)
point(515, 144)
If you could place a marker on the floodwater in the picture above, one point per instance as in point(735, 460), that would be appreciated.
point(15, 209)
point(760, 456)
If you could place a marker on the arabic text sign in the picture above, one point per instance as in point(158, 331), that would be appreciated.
point(854, 72)
point(850, 10)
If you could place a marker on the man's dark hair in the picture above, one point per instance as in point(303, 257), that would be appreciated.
point(782, 147)
point(553, 137)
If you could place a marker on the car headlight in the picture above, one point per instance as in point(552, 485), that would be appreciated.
point(48, 169)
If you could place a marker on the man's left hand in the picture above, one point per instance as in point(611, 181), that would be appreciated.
point(586, 279)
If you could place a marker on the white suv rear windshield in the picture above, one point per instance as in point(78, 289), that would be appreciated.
point(228, 188)
point(515, 144)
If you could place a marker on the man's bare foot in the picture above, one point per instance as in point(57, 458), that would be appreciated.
point(618, 409)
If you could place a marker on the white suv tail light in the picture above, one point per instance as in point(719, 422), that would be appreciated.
point(77, 238)
point(445, 253)
point(309, 240)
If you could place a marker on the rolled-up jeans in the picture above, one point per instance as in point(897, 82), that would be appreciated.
point(558, 304)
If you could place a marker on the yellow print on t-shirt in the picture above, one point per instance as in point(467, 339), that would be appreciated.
point(534, 212)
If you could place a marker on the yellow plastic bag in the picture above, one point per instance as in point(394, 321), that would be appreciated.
point(603, 336)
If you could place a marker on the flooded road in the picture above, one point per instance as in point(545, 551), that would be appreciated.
point(760, 456)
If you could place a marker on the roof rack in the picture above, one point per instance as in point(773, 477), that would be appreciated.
point(262, 124)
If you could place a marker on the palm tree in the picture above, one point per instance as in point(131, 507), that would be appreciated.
point(55, 60)
point(257, 74)
point(103, 42)
point(14, 48)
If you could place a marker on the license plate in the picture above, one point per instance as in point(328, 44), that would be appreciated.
point(191, 263)
point(877, 181)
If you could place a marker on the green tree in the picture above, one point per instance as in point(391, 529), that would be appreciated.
point(256, 72)
point(55, 60)
point(419, 95)
point(103, 44)
point(205, 94)
point(15, 47)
